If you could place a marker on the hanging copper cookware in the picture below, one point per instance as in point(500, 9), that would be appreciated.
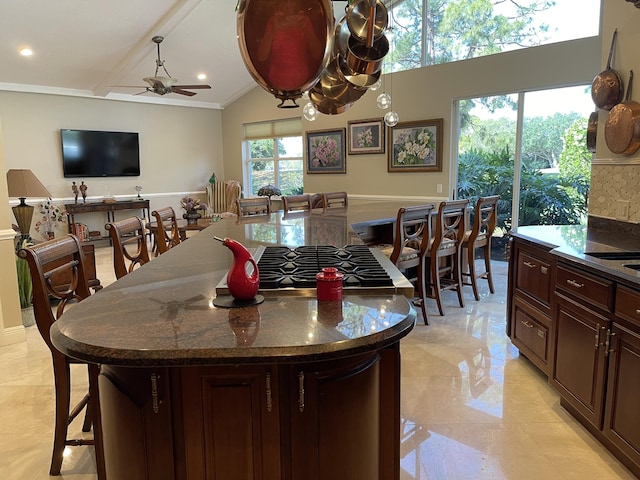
point(285, 44)
point(622, 129)
point(607, 88)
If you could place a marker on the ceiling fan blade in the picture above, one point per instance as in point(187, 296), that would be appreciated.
point(144, 91)
point(183, 92)
point(193, 87)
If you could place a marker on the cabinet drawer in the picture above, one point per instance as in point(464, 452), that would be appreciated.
point(628, 304)
point(534, 276)
point(593, 290)
point(530, 334)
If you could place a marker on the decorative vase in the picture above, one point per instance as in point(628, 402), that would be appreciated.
point(192, 217)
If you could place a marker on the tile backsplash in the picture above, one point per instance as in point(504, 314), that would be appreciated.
point(611, 183)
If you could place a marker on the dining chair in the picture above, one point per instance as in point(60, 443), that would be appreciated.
point(253, 206)
point(123, 234)
point(412, 233)
point(296, 203)
point(166, 233)
point(49, 262)
point(317, 200)
point(479, 237)
point(440, 269)
point(335, 200)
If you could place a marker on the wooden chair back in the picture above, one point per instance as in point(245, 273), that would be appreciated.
point(253, 206)
point(317, 200)
point(49, 262)
point(166, 232)
point(412, 231)
point(479, 237)
point(335, 200)
point(296, 203)
point(124, 234)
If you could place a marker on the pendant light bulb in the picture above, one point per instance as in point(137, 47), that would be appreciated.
point(391, 119)
point(384, 101)
point(376, 85)
point(310, 112)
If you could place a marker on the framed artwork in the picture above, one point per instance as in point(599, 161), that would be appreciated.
point(416, 146)
point(366, 136)
point(326, 151)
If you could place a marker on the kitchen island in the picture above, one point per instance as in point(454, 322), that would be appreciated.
point(574, 311)
point(286, 389)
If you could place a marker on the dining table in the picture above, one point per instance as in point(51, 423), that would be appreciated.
point(189, 389)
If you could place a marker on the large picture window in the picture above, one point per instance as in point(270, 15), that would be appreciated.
point(430, 32)
point(273, 153)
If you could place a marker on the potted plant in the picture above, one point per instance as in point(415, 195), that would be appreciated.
point(25, 287)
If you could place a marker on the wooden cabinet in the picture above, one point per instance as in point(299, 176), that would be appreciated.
point(107, 207)
point(531, 282)
point(621, 423)
point(316, 420)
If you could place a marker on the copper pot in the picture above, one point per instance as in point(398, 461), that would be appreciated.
point(333, 94)
point(363, 59)
point(607, 88)
point(622, 129)
point(367, 20)
point(592, 131)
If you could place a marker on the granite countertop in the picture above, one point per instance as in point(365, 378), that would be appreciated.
point(163, 313)
point(572, 243)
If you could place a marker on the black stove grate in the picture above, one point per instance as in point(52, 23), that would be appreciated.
point(283, 267)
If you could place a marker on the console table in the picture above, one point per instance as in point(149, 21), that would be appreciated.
point(108, 207)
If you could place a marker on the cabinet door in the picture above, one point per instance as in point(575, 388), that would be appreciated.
point(335, 419)
point(231, 423)
point(137, 423)
point(622, 422)
point(579, 367)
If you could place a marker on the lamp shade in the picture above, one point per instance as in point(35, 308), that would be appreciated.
point(22, 183)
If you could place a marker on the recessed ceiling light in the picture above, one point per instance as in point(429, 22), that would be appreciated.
point(201, 76)
point(26, 52)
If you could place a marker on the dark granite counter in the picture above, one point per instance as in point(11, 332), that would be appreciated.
point(163, 313)
point(572, 243)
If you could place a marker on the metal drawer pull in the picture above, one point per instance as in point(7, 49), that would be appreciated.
point(573, 283)
point(607, 343)
point(526, 324)
point(638, 311)
point(301, 391)
point(530, 265)
point(597, 336)
point(155, 402)
point(268, 391)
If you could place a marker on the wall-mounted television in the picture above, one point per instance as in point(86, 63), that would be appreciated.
point(90, 153)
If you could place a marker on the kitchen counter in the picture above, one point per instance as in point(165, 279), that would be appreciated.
point(570, 242)
point(279, 381)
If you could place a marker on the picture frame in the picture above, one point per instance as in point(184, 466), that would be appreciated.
point(325, 151)
point(416, 146)
point(366, 136)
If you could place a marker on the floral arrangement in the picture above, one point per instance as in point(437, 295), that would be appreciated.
point(417, 147)
point(325, 152)
point(365, 138)
point(52, 216)
point(190, 203)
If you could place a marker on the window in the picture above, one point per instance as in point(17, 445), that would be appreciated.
point(273, 153)
point(430, 32)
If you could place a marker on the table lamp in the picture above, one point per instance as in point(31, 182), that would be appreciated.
point(22, 183)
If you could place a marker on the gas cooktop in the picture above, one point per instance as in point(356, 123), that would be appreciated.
point(292, 271)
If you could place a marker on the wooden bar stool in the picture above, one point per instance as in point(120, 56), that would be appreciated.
point(296, 203)
point(125, 233)
point(335, 200)
point(50, 261)
point(166, 231)
point(253, 206)
point(479, 237)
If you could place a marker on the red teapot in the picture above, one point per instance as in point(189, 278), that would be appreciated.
point(243, 278)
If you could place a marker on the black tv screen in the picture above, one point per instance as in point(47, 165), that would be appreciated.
point(89, 153)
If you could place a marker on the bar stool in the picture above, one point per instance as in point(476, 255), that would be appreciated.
point(335, 200)
point(479, 237)
point(412, 234)
point(166, 232)
point(124, 233)
point(253, 206)
point(296, 203)
point(441, 267)
point(56, 258)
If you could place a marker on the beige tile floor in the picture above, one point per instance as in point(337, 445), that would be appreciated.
point(472, 408)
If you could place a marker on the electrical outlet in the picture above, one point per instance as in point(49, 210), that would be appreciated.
point(622, 209)
point(439, 188)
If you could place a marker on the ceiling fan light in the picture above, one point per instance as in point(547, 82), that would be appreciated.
point(201, 76)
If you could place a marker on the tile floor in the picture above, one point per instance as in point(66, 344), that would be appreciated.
point(472, 408)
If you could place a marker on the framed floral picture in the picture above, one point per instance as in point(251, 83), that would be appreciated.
point(366, 136)
point(326, 151)
point(416, 146)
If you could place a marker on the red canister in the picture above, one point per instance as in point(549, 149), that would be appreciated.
point(329, 284)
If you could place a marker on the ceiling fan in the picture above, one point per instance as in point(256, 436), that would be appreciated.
point(161, 85)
